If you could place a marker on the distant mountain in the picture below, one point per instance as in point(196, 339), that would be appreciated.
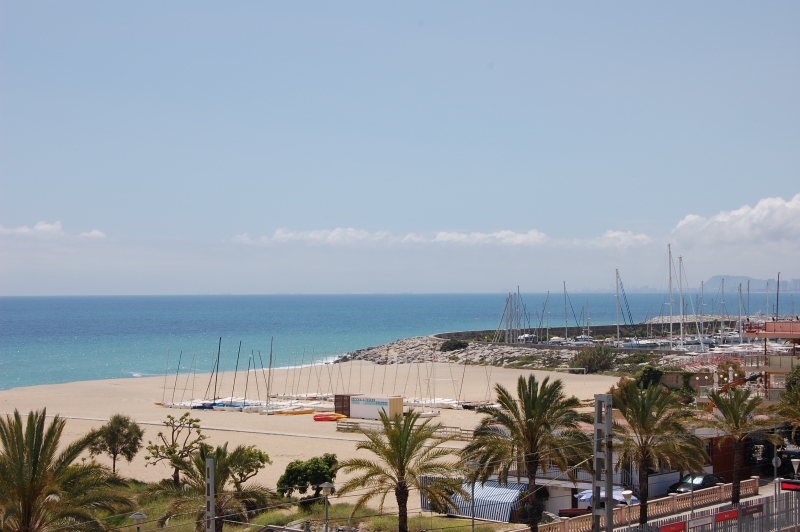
point(732, 283)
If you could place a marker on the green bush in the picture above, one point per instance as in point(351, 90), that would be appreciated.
point(594, 359)
point(635, 358)
point(453, 344)
point(793, 378)
point(649, 375)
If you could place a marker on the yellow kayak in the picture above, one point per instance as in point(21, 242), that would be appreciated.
point(294, 412)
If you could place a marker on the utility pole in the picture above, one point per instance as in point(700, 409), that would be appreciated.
point(210, 496)
point(603, 479)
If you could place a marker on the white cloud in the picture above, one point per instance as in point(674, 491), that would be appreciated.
point(94, 233)
point(40, 229)
point(339, 235)
point(620, 239)
point(509, 238)
point(45, 229)
point(772, 220)
point(350, 236)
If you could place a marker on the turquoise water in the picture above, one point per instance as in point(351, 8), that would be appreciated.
point(46, 340)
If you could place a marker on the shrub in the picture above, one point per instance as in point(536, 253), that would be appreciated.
point(594, 359)
point(793, 378)
point(635, 358)
point(453, 344)
point(649, 375)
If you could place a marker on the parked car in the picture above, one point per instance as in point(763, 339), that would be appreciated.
point(700, 482)
point(786, 469)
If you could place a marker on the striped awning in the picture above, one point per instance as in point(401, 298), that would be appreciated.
point(493, 502)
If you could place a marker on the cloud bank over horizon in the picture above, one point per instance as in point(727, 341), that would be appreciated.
point(45, 258)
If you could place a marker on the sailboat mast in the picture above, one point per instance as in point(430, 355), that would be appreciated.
point(740, 313)
point(778, 297)
point(617, 288)
point(722, 313)
point(548, 316)
point(702, 318)
point(566, 322)
point(669, 250)
point(588, 321)
point(680, 291)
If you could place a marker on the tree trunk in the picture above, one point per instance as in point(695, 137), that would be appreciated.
point(176, 477)
point(114, 464)
point(644, 490)
point(738, 458)
point(219, 522)
point(534, 508)
point(401, 494)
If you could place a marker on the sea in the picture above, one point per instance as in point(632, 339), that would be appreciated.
point(49, 340)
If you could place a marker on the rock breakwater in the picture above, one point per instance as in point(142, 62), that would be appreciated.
point(426, 349)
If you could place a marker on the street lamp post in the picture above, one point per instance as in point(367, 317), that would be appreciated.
point(327, 489)
point(627, 495)
point(138, 518)
point(796, 465)
point(473, 466)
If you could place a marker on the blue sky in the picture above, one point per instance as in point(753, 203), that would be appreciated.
point(388, 147)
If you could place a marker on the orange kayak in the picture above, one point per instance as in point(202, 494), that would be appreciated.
point(329, 417)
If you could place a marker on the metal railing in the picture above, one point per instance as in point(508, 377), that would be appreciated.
point(350, 425)
point(657, 508)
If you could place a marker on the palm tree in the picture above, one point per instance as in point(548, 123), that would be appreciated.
point(789, 408)
point(734, 418)
point(234, 500)
point(654, 435)
point(43, 490)
point(408, 456)
point(538, 428)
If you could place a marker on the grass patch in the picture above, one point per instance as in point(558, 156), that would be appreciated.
point(388, 523)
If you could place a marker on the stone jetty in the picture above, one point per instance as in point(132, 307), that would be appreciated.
point(426, 349)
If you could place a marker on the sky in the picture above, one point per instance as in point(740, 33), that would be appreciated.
point(366, 147)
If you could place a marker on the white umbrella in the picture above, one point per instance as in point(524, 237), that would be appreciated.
point(586, 495)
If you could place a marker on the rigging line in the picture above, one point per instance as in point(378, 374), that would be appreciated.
point(235, 371)
point(385, 367)
point(263, 374)
point(300, 374)
point(286, 380)
point(247, 379)
point(177, 371)
point(269, 386)
point(463, 376)
point(574, 317)
point(408, 374)
point(258, 388)
point(339, 365)
point(189, 374)
point(310, 371)
point(374, 367)
point(194, 378)
point(350, 376)
point(166, 371)
point(450, 367)
point(214, 367)
point(330, 377)
point(221, 377)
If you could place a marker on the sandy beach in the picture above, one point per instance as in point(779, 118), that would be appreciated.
point(87, 405)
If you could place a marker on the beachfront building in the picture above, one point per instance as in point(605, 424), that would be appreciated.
point(775, 361)
point(498, 502)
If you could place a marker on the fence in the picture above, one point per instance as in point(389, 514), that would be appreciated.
point(670, 505)
point(350, 425)
point(763, 514)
